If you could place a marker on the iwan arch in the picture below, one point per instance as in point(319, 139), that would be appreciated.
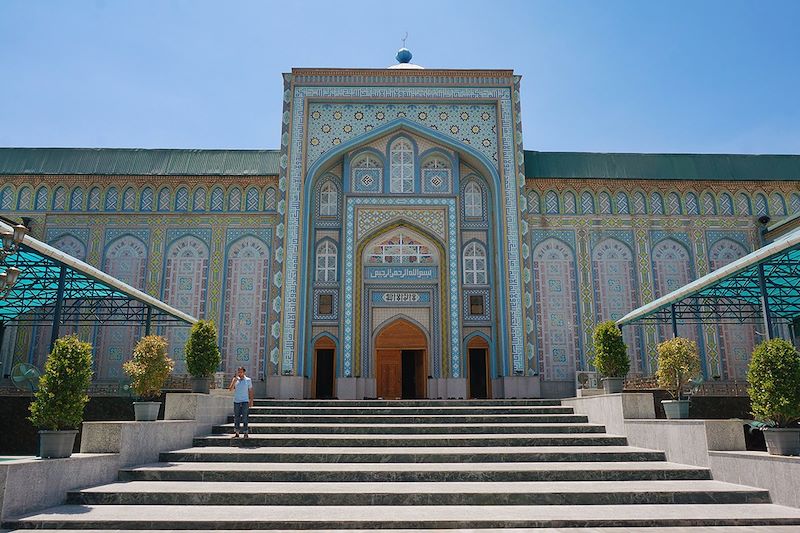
point(401, 242)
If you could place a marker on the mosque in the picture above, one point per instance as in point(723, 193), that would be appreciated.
point(401, 242)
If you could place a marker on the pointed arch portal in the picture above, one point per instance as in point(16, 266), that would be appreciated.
point(401, 360)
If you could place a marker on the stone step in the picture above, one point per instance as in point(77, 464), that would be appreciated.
point(415, 472)
point(684, 529)
point(415, 419)
point(376, 454)
point(446, 493)
point(488, 440)
point(405, 403)
point(430, 517)
point(407, 429)
point(416, 411)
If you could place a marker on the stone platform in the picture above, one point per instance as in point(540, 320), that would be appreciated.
point(416, 465)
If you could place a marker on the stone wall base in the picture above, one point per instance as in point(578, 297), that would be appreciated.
point(516, 387)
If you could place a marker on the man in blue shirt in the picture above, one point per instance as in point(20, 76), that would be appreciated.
point(242, 400)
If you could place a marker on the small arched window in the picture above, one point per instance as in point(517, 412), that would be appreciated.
point(199, 199)
point(94, 199)
point(328, 200)
point(6, 199)
point(163, 199)
point(251, 199)
point(270, 199)
point(474, 264)
point(76, 199)
point(473, 200)
point(570, 203)
point(692, 206)
point(217, 199)
point(709, 204)
point(129, 199)
point(235, 200)
point(762, 208)
point(795, 203)
point(326, 262)
point(674, 202)
point(551, 203)
point(60, 199)
point(743, 204)
point(587, 203)
point(639, 203)
point(146, 200)
point(725, 204)
point(41, 199)
point(182, 199)
point(622, 204)
point(778, 205)
point(534, 202)
point(656, 204)
point(604, 202)
point(112, 199)
point(401, 167)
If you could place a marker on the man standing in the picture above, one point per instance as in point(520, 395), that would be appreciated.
point(242, 401)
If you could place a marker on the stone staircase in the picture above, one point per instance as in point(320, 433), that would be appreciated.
point(416, 465)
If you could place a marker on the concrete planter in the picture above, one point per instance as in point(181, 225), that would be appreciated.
point(200, 385)
point(613, 385)
point(675, 409)
point(56, 444)
point(146, 411)
point(782, 441)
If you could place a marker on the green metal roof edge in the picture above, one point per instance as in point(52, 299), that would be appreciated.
point(724, 167)
point(138, 162)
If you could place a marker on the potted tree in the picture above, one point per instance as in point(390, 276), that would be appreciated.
point(148, 369)
point(202, 354)
point(58, 404)
point(678, 363)
point(610, 356)
point(774, 377)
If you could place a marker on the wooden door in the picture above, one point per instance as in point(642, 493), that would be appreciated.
point(389, 374)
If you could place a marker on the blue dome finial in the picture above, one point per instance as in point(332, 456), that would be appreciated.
point(404, 54)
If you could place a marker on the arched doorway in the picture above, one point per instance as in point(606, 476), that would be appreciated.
point(401, 361)
point(478, 368)
point(324, 366)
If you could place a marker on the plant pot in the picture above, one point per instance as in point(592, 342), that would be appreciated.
point(675, 409)
point(613, 385)
point(200, 385)
point(146, 411)
point(56, 444)
point(782, 441)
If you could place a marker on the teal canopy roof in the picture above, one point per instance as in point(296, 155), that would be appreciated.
point(89, 294)
point(733, 293)
point(180, 162)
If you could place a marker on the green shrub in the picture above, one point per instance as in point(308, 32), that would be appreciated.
point(62, 393)
point(150, 367)
point(202, 352)
point(610, 352)
point(678, 363)
point(774, 377)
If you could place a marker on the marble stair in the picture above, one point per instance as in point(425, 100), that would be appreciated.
point(420, 465)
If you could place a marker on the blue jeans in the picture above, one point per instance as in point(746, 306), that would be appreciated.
point(240, 412)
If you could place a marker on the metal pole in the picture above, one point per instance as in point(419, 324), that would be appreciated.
point(148, 320)
point(62, 277)
point(674, 321)
point(765, 311)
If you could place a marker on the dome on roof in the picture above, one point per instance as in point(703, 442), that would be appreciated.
point(404, 60)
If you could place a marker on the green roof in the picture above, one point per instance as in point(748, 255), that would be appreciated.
point(138, 162)
point(178, 162)
point(662, 166)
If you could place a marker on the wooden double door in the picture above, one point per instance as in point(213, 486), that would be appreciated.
point(401, 361)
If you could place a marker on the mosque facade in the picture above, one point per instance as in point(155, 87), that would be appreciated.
point(401, 242)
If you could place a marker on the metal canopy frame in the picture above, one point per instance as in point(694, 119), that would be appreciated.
point(760, 288)
point(58, 288)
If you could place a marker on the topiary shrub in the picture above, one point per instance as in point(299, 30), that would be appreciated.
point(610, 352)
point(150, 367)
point(62, 394)
point(678, 363)
point(202, 352)
point(774, 377)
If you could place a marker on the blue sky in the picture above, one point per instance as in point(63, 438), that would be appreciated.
point(621, 76)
